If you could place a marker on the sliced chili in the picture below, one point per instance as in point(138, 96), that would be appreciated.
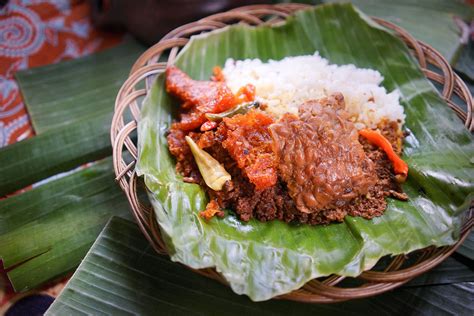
point(376, 138)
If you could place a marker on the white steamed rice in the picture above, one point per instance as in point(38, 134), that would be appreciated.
point(284, 85)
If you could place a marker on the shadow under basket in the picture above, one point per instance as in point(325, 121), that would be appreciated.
point(390, 272)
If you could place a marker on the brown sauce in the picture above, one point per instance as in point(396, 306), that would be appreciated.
point(320, 158)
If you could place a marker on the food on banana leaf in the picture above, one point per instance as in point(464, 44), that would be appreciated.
point(267, 259)
point(297, 140)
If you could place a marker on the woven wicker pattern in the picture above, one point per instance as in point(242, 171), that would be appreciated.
point(399, 270)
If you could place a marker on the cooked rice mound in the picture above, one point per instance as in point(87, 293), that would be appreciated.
point(285, 84)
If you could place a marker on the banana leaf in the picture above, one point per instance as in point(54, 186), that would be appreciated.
point(67, 92)
point(263, 260)
point(70, 106)
point(57, 150)
point(121, 274)
point(455, 269)
point(465, 63)
point(467, 247)
point(431, 21)
point(45, 232)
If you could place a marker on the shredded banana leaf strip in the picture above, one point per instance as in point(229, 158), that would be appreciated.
point(263, 260)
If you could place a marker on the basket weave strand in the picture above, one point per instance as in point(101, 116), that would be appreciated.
point(400, 269)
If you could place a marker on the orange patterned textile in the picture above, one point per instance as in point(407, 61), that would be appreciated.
point(36, 33)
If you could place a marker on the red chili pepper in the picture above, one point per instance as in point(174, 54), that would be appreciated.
point(376, 138)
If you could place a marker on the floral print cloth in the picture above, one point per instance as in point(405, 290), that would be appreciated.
point(35, 33)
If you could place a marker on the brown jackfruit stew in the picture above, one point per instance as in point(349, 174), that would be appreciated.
point(314, 167)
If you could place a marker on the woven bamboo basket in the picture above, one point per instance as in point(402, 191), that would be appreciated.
point(396, 270)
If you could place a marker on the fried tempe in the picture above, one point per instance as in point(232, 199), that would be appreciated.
point(320, 158)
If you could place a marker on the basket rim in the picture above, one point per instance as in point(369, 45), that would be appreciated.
point(315, 291)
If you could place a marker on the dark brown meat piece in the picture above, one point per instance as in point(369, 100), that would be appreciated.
point(320, 158)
